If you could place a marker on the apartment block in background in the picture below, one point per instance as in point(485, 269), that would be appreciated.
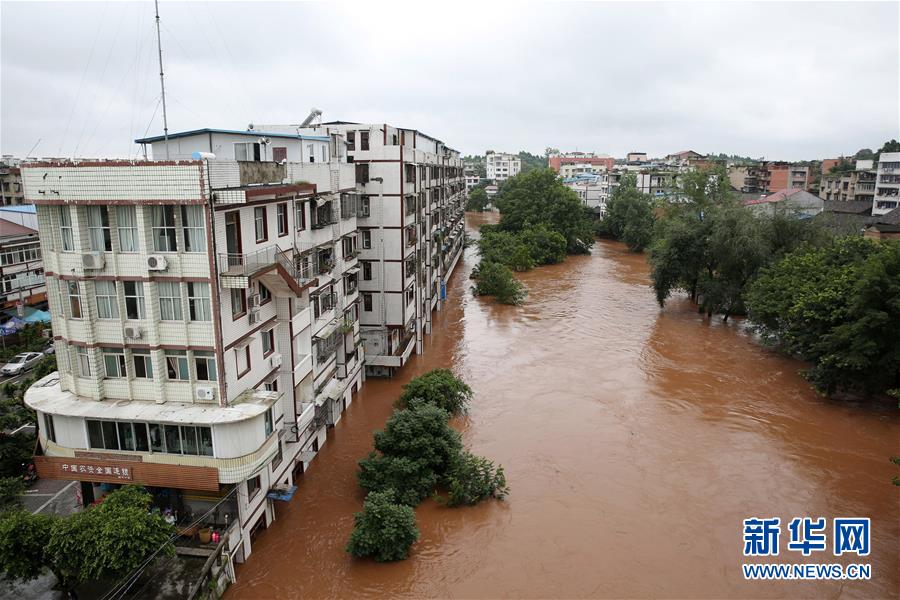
point(11, 192)
point(501, 166)
point(411, 227)
point(21, 266)
point(887, 184)
point(856, 185)
point(205, 319)
point(570, 164)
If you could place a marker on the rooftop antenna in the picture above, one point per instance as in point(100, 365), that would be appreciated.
point(162, 82)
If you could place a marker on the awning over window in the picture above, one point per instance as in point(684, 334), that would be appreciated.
point(282, 494)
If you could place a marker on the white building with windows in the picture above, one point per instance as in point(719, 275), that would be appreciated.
point(501, 166)
point(205, 317)
point(411, 228)
point(887, 184)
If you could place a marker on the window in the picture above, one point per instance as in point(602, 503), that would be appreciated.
point(74, 299)
point(311, 153)
point(271, 386)
point(84, 362)
point(278, 457)
point(270, 423)
point(198, 301)
point(238, 302)
point(134, 299)
point(192, 228)
point(300, 215)
point(242, 360)
point(281, 219)
point(177, 365)
point(98, 229)
point(65, 229)
point(324, 149)
point(364, 206)
point(169, 300)
point(126, 222)
point(366, 239)
point(363, 140)
point(367, 271)
point(351, 140)
point(205, 364)
point(50, 430)
point(268, 342)
point(172, 437)
point(367, 302)
point(114, 363)
point(246, 151)
point(204, 439)
point(260, 224)
point(164, 228)
point(264, 294)
point(362, 172)
point(279, 153)
point(253, 486)
point(143, 365)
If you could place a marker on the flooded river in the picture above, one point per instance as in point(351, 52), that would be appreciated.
point(635, 441)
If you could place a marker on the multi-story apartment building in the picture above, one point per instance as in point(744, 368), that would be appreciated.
point(748, 179)
point(559, 161)
point(11, 192)
point(412, 197)
point(858, 184)
point(21, 267)
point(501, 166)
point(205, 318)
point(567, 170)
point(633, 158)
point(659, 183)
point(887, 184)
point(592, 189)
point(472, 179)
point(769, 177)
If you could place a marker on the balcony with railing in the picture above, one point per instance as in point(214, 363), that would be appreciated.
point(270, 265)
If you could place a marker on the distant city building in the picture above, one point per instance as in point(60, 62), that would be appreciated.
point(796, 202)
point(592, 189)
point(472, 179)
point(560, 160)
point(567, 170)
point(21, 267)
point(887, 185)
point(683, 157)
point(856, 185)
point(769, 177)
point(11, 192)
point(659, 183)
point(636, 158)
point(500, 166)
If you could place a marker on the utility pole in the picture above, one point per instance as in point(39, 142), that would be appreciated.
point(162, 83)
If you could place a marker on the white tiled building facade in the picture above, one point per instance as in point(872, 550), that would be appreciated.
point(887, 184)
point(205, 316)
point(501, 166)
point(411, 226)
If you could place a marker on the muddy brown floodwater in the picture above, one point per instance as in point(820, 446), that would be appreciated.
point(635, 440)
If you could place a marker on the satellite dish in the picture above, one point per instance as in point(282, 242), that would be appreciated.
point(250, 127)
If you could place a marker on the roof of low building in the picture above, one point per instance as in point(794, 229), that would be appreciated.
point(253, 132)
point(795, 194)
point(856, 207)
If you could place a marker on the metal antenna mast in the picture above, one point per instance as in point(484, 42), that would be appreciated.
point(162, 82)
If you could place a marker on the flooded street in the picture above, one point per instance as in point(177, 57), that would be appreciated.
point(635, 440)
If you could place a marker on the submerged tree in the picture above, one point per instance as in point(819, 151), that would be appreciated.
point(384, 530)
point(438, 387)
point(629, 215)
point(494, 279)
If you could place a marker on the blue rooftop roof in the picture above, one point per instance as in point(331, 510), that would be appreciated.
point(20, 208)
point(180, 134)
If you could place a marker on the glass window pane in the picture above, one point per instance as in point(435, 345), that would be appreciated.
point(206, 447)
point(157, 442)
point(110, 439)
point(126, 435)
point(173, 440)
point(95, 434)
point(189, 439)
point(140, 437)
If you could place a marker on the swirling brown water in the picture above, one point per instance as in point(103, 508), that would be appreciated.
point(635, 440)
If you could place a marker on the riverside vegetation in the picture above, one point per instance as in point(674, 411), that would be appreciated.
point(541, 222)
point(417, 454)
point(831, 300)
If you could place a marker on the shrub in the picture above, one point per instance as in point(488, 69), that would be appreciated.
point(10, 490)
point(440, 388)
point(412, 480)
point(472, 479)
point(545, 246)
point(384, 529)
point(493, 279)
point(506, 249)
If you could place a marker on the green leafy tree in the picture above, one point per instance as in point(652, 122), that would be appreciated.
point(23, 544)
point(411, 479)
point(439, 387)
point(472, 479)
point(889, 146)
point(11, 489)
point(494, 279)
point(384, 530)
point(506, 249)
point(15, 451)
point(531, 162)
point(478, 199)
point(629, 216)
point(837, 306)
point(539, 197)
point(545, 246)
point(679, 255)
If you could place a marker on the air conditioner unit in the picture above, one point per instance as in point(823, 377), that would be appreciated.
point(156, 262)
point(133, 332)
point(205, 392)
point(93, 260)
point(254, 301)
point(275, 361)
point(253, 317)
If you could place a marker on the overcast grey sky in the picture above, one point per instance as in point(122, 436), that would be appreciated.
point(783, 81)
